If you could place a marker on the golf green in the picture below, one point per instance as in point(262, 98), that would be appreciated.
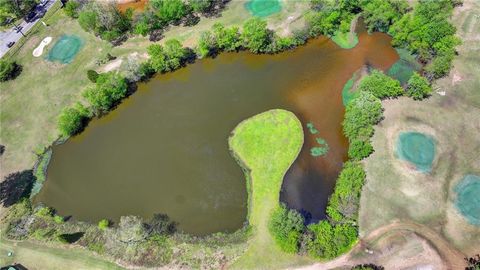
point(65, 49)
point(263, 8)
point(416, 148)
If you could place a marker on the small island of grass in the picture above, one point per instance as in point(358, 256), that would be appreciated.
point(265, 146)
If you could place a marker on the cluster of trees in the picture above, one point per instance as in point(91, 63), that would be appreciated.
point(167, 58)
point(108, 90)
point(9, 70)
point(15, 9)
point(107, 21)
point(286, 226)
point(428, 33)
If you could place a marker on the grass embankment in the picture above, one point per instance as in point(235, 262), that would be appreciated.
point(38, 257)
point(265, 146)
point(393, 191)
point(347, 40)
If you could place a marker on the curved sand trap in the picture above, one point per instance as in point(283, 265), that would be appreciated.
point(468, 198)
point(416, 148)
point(39, 50)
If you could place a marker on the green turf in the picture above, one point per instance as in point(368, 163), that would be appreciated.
point(274, 135)
point(345, 40)
point(468, 198)
point(65, 49)
point(263, 8)
point(416, 148)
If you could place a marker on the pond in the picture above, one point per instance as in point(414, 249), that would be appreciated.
point(165, 150)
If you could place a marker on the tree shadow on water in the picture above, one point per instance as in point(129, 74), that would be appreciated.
point(16, 186)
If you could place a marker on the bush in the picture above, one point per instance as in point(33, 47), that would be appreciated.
point(71, 9)
point(207, 44)
point(418, 87)
point(286, 226)
point(44, 212)
point(58, 219)
point(103, 224)
point(161, 224)
point(255, 35)
point(169, 10)
point(379, 15)
point(72, 120)
point(92, 75)
point(380, 85)
point(8, 70)
point(110, 88)
point(327, 241)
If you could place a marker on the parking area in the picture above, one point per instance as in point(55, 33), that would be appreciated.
point(10, 37)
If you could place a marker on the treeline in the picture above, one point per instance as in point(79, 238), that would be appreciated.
point(105, 20)
point(154, 242)
point(15, 9)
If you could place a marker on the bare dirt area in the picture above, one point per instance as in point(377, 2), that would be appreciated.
point(395, 191)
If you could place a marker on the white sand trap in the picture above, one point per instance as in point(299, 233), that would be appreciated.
point(39, 50)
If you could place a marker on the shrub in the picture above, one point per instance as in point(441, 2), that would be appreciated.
point(103, 224)
point(207, 44)
point(92, 75)
point(327, 241)
point(72, 120)
point(440, 66)
point(168, 58)
point(169, 10)
point(110, 88)
point(359, 149)
point(378, 15)
point(418, 87)
point(71, 9)
point(161, 224)
point(58, 219)
point(8, 70)
point(45, 212)
point(380, 85)
point(131, 229)
point(286, 226)
point(255, 35)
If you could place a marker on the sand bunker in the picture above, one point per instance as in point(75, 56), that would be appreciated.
point(39, 50)
point(416, 148)
point(468, 198)
point(263, 8)
point(65, 49)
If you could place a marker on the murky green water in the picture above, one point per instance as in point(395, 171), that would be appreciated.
point(165, 150)
point(416, 148)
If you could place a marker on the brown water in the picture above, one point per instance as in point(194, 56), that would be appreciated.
point(136, 5)
point(164, 150)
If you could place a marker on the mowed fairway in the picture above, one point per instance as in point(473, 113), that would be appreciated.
point(265, 146)
point(395, 191)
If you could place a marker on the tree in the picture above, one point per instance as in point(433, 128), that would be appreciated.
point(200, 6)
point(161, 224)
point(328, 241)
point(380, 85)
point(286, 226)
point(88, 20)
point(71, 9)
point(228, 39)
point(8, 70)
point(109, 89)
point(92, 75)
point(378, 15)
point(16, 186)
point(325, 22)
point(72, 120)
point(207, 44)
point(168, 58)
point(131, 230)
point(255, 35)
point(418, 87)
point(169, 10)
point(361, 114)
point(359, 149)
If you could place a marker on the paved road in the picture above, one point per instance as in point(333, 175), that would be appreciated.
point(12, 35)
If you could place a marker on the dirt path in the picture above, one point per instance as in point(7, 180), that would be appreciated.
point(452, 257)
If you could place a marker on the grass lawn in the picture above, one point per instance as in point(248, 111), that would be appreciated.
point(39, 257)
point(265, 146)
point(393, 191)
